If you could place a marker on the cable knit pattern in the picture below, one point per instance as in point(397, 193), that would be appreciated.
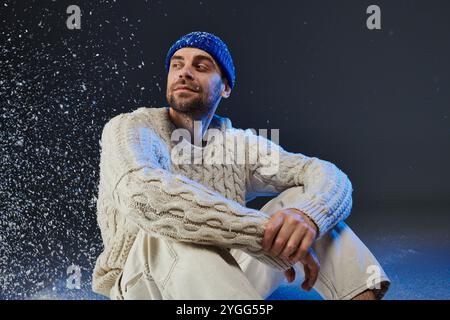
point(141, 187)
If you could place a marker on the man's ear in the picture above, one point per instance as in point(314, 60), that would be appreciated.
point(226, 90)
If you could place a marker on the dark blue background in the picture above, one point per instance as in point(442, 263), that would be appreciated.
point(375, 103)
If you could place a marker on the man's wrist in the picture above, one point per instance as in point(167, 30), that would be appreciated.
point(308, 220)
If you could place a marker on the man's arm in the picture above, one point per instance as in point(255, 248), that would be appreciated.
point(327, 196)
point(135, 163)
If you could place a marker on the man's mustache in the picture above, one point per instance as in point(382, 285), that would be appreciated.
point(185, 85)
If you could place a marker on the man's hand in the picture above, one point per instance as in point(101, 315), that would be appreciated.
point(289, 233)
point(311, 269)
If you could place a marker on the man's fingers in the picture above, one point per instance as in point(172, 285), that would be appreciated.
point(305, 283)
point(314, 265)
point(304, 247)
point(293, 243)
point(282, 237)
point(311, 267)
point(273, 226)
point(290, 274)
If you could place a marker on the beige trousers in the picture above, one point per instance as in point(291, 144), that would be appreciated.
point(158, 268)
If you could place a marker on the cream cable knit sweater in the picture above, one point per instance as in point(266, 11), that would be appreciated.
point(142, 187)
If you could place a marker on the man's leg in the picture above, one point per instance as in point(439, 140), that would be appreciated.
point(348, 268)
point(159, 268)
point(264, 278)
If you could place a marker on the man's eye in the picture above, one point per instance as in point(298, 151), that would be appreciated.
point(175, 65)
point(201, 66)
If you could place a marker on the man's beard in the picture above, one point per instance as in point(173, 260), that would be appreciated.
point(199, 105)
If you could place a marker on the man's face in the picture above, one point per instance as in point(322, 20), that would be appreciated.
point(194, 82)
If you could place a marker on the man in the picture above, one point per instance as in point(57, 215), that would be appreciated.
point(177, 229)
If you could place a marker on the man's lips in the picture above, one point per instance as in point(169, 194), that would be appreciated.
point(184, 89)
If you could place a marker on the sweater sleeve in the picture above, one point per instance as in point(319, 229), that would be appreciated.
point(170, 205)
point(327, 191)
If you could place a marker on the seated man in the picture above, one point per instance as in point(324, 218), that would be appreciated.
point(174, 182)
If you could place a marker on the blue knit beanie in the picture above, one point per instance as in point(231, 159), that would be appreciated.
point(211, 44)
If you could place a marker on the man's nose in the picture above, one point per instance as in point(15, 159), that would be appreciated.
point(186, 72)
